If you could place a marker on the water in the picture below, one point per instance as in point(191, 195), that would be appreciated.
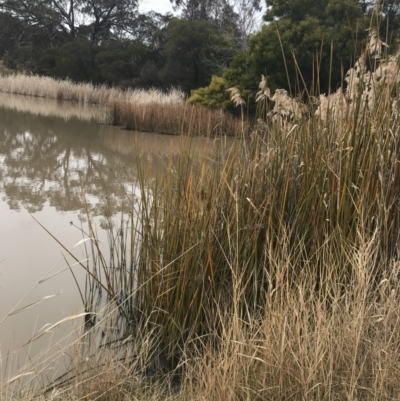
point(52, 153)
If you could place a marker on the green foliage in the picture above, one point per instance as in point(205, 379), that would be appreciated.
point(308, 48)
point(304, 48)
point(8, 29)
point(74, 59)
point(213, 96)
point(238, 75)
point(188, 47)
point(121, 61)
point(322, 38)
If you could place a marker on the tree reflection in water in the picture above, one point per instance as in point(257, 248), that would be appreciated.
point(48, 159)
point(53, 158)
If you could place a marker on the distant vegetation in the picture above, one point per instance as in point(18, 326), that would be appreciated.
point(135, 109)
point(211, 46)
point(112, 43)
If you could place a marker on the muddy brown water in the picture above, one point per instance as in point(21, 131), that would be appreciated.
point(49, 152)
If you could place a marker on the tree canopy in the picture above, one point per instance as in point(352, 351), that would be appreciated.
point(98, 19)
point(305, 46)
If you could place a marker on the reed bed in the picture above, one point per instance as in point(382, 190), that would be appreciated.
point(174, 119)
point(40, 86)
point(136, 109)
point(269, 270)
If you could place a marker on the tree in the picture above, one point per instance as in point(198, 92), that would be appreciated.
point(109, 16)
point(235, 20)
point(120, 62)
point(9, 33)
point(104, 17)
point(37, 16)
point(307, 45)
point(75, 60)
point(186, 48)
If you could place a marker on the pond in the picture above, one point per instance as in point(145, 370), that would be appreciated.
point(51, 155)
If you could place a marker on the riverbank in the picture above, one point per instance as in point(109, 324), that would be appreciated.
point(133, 109)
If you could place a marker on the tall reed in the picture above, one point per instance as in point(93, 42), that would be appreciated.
point(40, 86)
point(208, 242)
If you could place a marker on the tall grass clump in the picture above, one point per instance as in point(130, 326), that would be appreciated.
point(270, 270)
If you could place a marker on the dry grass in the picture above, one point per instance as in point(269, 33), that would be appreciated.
point(51, 88)
point(174, 119)
point(343, 343)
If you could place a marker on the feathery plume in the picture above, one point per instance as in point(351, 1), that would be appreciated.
point(264, 91)
point(236, 97)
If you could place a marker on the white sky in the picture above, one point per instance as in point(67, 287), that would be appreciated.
point(164, 6)
point(161, 6)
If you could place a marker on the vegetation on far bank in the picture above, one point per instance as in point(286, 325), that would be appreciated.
point(209, 47)
point(141, 110)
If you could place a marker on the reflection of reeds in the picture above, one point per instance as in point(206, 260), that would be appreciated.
point(49, 107)
point(151, 146)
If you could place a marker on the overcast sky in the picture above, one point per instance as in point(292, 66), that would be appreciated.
point(164, 6)
point(161, 6)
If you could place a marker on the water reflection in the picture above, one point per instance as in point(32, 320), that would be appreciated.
point(53, 108)
point(50, 159)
